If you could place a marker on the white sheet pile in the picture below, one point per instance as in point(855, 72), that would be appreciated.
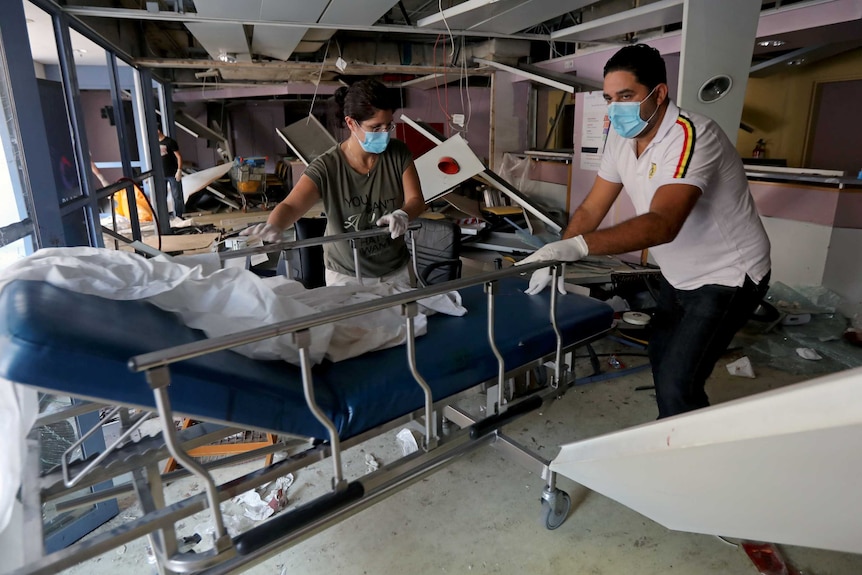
point(223, 301)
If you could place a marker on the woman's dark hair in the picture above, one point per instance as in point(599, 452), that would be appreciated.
point(645, 62)
point(361, 101)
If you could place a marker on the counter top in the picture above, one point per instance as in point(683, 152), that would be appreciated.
point(820, 180)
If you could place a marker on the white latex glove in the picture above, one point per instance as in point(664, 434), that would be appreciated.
point(179, 175)
point(540, 280)
point(570, 250)
point(397, 222)
point(266, 232)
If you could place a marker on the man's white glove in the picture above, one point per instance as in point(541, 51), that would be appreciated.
point(179, 175)
point(397, 222)
point(570, 250)
point(266, 232)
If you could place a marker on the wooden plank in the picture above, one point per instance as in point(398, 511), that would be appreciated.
point(174, 244)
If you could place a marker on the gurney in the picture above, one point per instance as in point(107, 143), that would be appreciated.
point(165, 368)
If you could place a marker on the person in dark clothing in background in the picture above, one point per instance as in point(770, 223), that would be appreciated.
point(172, 162)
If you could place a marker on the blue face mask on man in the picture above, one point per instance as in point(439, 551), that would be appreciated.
point(626, 118)
point(374, 142)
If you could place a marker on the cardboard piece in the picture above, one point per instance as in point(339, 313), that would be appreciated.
point(183, 243)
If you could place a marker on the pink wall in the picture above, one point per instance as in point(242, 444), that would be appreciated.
point(101, 135)
point(194, 150)
point(815, 205)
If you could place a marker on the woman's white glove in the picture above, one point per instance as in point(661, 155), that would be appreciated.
point(397, 222)
point(570, 250)
point(266, 232)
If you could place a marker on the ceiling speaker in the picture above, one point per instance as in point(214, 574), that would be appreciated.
point(715, 88)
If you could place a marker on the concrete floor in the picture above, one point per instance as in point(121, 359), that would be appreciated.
point(481, 514)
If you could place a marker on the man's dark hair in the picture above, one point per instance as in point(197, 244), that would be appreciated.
point(361, 101)
point(645, 62)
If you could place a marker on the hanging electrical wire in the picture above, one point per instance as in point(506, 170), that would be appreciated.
point(319, 76)
point(436, 82)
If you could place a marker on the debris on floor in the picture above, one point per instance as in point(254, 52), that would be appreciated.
point(809, 318)
point(741, 367)
point(768, 559)
point(247, 509)
point(808, 353)
point(407, 441)
point(371, 462)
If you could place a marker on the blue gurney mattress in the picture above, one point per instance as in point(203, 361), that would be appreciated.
point(77, 344)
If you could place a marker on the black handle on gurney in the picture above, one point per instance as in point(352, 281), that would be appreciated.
point(491, 423)
point(274, 529)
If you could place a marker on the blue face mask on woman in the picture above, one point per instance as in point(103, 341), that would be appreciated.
point(626, 118)
point(375, 142)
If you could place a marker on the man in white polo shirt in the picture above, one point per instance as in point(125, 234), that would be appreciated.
point(694, 212)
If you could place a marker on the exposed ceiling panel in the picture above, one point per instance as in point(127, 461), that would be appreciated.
point(502, 16)
point(654, 15)
point(296, 11)
point(215, 38)
point(245, 10)
point(357, 13)
point(276, 41)
point(271, 41)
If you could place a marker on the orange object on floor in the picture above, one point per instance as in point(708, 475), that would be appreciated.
point(224, 449)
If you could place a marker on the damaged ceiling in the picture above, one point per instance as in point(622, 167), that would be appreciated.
point(232, 42)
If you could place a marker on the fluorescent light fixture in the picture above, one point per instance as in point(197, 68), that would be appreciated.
point(539, 79)
point(771, 43)
point(227, 58)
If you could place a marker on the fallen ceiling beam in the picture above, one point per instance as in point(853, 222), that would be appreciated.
point(566, 82)
point(355, 68)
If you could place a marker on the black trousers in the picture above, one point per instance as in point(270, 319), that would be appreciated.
point(175, 188)
point(690, 332)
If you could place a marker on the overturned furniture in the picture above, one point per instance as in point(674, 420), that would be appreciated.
point(505, 332)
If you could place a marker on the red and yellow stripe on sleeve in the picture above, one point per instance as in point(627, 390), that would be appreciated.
point(687, 146)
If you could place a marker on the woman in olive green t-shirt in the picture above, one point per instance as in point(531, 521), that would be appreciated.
point(368, 180)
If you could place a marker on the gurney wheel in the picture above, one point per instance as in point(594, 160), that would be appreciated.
point(555, 511)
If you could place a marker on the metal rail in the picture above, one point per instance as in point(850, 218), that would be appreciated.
point(174, 354)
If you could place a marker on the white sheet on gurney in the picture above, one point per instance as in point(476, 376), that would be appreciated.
point(223, 301)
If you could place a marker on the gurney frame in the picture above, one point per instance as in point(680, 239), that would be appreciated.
point(440, 445)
